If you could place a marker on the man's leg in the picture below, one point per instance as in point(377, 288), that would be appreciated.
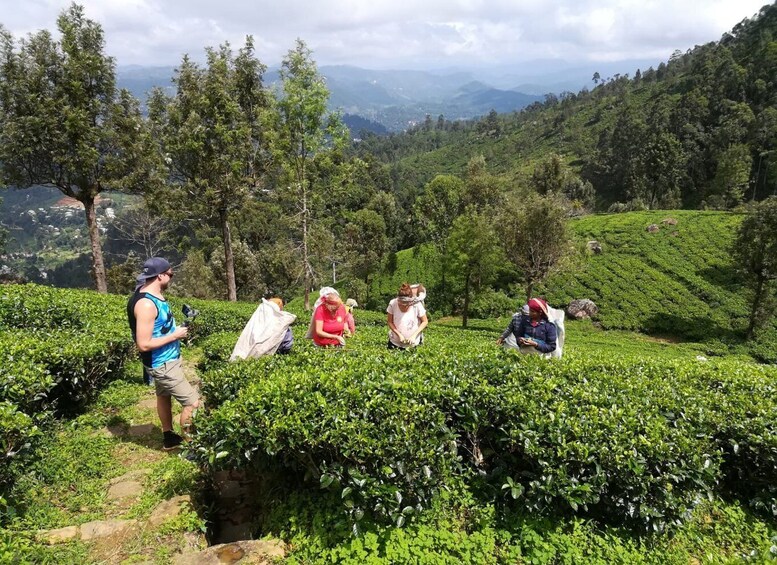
point(186, 415)
point(164, 407)
point(171, 382)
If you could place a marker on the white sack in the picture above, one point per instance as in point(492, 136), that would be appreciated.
point(556, 316)
point(264, 331)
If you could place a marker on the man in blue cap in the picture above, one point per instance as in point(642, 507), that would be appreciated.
point(158, 340)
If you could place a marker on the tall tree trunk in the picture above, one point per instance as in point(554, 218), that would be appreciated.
point(529, 289)
point(229, 257)
point(305, 259)
point(98, 265)
point(444, 269)
point(757, 299)
point(465, 315)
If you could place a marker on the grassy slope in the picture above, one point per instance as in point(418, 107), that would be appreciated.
point(678, 282)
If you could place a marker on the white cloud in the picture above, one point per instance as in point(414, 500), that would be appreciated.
point(398, 33)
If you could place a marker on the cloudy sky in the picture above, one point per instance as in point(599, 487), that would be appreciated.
point(384, 34)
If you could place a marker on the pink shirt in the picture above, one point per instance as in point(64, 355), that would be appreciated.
point(333, 324)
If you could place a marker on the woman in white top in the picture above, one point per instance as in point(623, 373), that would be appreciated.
point(406, 319)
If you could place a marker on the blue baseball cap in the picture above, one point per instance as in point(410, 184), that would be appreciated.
point(153, 268)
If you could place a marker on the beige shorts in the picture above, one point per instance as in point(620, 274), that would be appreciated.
point(170, 381)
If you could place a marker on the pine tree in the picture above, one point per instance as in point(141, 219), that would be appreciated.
point(63, 122)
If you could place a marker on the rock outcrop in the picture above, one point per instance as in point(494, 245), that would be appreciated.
point(582, 309)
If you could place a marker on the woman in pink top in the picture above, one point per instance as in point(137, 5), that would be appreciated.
point(329, 322)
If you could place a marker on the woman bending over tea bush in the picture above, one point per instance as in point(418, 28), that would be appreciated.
point(329, 320)
point(406, 317)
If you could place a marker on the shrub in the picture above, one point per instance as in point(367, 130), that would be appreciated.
point(215, 316)
point(216, 348)
point(57, 349)
point(59, 371)
point(35, 307)
point(492, 304)
point(17, 430)
point(615, 438)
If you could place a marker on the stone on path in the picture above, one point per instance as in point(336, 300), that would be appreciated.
point(104, 528)
point(60, 535)
point(141, 430)
point(134, 475)
point(168, 509)
point(125, 489)
point(115, 431)
point(242, 552)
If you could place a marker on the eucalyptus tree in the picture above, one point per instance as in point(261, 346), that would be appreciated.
point(482, 189)
point(63, 122)
point(535, 237)
point(365, 242)
point(436, 209)
point(755, 253)
point(304, 129)
point(211, 134)
point(475, 253)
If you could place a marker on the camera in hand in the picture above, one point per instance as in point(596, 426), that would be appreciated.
point(190, 314)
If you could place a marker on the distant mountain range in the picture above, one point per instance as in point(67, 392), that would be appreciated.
point(393, 100)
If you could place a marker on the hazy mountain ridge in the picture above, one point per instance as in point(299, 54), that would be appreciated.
point(397, 99)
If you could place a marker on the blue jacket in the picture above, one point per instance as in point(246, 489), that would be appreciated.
point(544, 332)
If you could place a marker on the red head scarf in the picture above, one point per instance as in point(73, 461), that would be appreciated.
point(539, 305)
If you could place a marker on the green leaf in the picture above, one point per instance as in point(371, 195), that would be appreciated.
point(326, 480)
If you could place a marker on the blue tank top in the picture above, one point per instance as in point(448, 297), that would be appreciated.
point(164, 324)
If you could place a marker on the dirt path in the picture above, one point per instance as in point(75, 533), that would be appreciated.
point(148, 510)
point(144, 507)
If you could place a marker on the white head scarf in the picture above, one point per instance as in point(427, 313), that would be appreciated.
point(323, 293)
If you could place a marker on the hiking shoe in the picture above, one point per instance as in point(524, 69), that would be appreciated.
point(171, 441)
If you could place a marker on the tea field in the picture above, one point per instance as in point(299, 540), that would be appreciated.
point(631, 449)
point(678, 282)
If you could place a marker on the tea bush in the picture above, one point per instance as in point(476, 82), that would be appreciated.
point(618, 438)
point(57, 349)
point(216, 348)
point(214, 316)
point(17, 430)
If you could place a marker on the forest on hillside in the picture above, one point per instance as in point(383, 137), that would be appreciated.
point(699, 131)
point(252, 191)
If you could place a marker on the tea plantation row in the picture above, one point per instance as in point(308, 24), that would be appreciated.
point(679, 280)
point(57, 349)
point(616, 437)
